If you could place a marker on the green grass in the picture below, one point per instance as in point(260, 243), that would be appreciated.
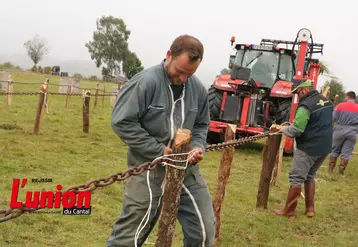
point(70, 157)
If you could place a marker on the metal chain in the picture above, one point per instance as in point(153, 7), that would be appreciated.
point(50, 93)
point(121, 176)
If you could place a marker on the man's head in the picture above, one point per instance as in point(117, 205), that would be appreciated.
point(183, 58)
point(302, 87)
point(350, 95)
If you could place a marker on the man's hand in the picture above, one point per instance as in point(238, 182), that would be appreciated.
point(196, 156)
point(167, 150)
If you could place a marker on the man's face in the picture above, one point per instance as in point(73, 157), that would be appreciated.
point(301, 92)
point(180, 68)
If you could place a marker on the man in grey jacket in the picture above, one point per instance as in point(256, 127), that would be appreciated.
point(149, 109)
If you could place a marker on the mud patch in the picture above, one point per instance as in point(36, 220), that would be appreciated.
point(9, 126)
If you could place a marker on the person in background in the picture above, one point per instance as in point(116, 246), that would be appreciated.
point(345, 132)
point(312, 130)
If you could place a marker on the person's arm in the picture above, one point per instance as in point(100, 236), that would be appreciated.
point(201, 126)
point(299, 123)
point(130, 106)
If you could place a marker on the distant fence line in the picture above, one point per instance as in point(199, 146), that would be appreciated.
point(43, 98)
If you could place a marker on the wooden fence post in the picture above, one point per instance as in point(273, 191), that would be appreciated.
point(39, 109)
point(269, 158)
point(85, 111)
point(96, 95)
point(173, 186)
point(45, 105)
point(104, 91)
point(69, 91)
point(9, 90)
point(278, 164)
point(227, 157)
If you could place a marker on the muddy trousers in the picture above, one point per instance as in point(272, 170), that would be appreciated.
point(195, 214)
point(304, 167)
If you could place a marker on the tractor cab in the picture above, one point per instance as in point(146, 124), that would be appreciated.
point(266, 63)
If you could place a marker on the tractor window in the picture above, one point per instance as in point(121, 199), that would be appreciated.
point(286, 68)
point(263, 66)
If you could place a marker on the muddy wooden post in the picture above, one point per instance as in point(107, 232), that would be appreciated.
point(39, 109)
point(9, 90)
point(268, 161)
point(173, 186)
point(85, 111)
point(69, 91)
point(278, 164)
point(227, 157)
point(96, 95)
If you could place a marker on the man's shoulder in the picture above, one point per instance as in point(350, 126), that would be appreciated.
point(196, 83)
point(146, 76)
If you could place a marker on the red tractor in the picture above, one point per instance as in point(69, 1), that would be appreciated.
point(257, 93)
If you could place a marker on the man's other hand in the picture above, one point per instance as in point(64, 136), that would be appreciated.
point(167, 151)
point(196, 156)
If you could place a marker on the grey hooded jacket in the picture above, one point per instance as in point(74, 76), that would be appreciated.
point(144, 114)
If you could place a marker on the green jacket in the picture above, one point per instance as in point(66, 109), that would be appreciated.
point(143, 114)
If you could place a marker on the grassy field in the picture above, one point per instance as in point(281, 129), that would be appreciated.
point(70, 157)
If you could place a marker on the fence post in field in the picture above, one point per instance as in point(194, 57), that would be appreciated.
point(85, 111)
point(104, 91)
point(268, 161)
point(9, 90)
point(278, 163)
point(69, 91)
point(227, 157)
point(96, 95)
point(43, 91)
point(173, 186)
point(46, 93)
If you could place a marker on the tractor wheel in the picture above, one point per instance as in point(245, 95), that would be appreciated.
point(215, 98)
point(283, 112)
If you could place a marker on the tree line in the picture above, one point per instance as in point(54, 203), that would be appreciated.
point(108, 49)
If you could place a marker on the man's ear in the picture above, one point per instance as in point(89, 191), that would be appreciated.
point(169, 53)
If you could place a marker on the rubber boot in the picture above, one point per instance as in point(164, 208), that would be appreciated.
point(309, 197)
point(343, 166)
point(291, 203)
point(332, 163)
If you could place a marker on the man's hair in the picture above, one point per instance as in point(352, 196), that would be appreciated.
point(190, 44)
point(351, 95)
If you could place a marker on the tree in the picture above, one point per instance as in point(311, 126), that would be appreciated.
point(336, 88)
point(324, 68)
point(36, 49)
point(131, 65)
point(109, 45)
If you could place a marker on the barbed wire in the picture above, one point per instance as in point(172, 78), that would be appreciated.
point(53, 84)
point(53, 93)
point(92, 185)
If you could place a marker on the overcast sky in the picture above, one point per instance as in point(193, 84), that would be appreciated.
point(68, 25)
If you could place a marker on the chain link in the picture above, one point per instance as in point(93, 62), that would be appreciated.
point(121, 176)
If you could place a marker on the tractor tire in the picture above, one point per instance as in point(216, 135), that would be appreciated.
point(283, 112)
point(215, 98)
